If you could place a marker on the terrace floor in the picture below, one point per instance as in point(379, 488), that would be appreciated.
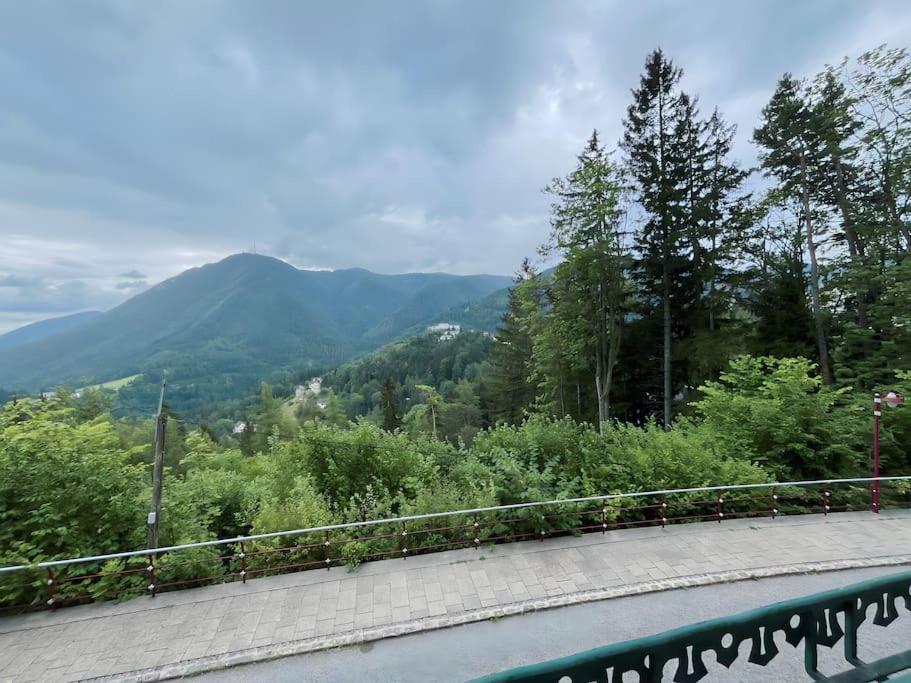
point(208, 628)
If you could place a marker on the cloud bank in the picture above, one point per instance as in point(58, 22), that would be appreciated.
point(146, 139)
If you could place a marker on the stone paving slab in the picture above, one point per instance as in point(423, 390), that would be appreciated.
point(215, 626)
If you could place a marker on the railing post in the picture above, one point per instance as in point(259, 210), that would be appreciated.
point(774, 503)
point(851, 632)
point(150, 571)
point(663, 510)
point(243, 563)
point(603, 519)
point(404, 542)
point(808, 625)
point(874, 489)
point(327, 551)
point(719, 503)
point(51, 590)
point(825, 502)
point(477, 533)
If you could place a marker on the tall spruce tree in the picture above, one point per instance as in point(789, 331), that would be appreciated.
point(510, 358)
point(727, 215)
point(653, 151)
point(714, 214)
point(389, 405)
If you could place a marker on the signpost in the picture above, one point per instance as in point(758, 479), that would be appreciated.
point(161, 422)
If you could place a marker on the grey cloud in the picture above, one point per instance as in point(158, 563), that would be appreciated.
point(18, 281)
point(395, 137)
point(131, 284)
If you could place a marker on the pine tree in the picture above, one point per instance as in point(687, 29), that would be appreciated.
point(389, 405)
point(246, 438)
point(777, 288)
point(727, 215)
point(714, 215)
point(652, 150)
point(511, 355)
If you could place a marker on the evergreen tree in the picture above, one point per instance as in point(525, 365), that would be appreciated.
point(777, 287)
point(727, 215)
point(653, 153)
point(715, 214)
point(389, 405)
point(246, 437)
point(511, 355)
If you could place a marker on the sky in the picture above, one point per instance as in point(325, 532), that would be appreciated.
point(140, 139)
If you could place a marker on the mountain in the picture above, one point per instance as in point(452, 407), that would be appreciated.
point(232, 323)
point(43, 329)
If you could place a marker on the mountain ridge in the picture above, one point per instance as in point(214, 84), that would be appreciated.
point(244, 316)
point(42, 329)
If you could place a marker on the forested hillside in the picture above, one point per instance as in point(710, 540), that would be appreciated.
point(694, 332)
point(220, 329)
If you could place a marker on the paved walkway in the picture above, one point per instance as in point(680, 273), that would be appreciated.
point(486, 647)
point(216, 626)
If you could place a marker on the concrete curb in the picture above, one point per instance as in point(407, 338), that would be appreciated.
point(358, 636)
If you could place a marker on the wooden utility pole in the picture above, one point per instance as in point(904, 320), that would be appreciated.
point(161, 421)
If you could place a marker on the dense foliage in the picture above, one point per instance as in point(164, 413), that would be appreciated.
point(669, 269)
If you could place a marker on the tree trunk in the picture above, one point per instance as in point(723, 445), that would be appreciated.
point(666, 364)
point(712, 284)
point(665, 267)
point(562, 396)
point(824, 362)
point(855, 244)
point(604, 377)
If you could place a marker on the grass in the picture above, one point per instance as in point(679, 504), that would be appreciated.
point(115, 384)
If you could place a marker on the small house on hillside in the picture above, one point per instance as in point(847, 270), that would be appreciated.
point(444, 330)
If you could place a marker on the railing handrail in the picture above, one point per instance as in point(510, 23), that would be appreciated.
point(433, 515)
point(686, 646)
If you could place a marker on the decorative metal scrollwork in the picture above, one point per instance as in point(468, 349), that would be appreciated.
point(812, 620)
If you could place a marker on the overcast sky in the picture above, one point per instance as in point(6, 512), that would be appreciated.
point(138, 139)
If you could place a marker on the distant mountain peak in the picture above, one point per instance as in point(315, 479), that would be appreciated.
point(241, 318)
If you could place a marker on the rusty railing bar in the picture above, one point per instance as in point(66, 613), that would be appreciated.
point(432, 515)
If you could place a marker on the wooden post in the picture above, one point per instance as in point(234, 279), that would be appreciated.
point(161, 421)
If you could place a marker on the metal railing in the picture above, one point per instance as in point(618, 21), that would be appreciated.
point(812, 620)
point(58, 583)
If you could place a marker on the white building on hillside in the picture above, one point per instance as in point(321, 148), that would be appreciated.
point(313, 386)
point(444, 330)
